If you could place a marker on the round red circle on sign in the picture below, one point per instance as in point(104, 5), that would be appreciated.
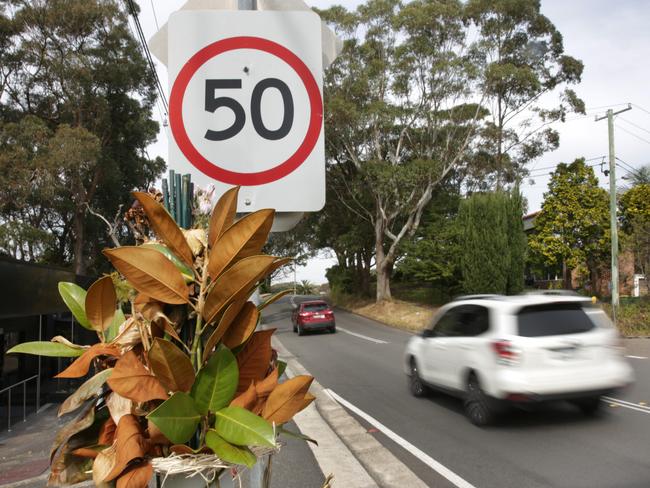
point(211, 169)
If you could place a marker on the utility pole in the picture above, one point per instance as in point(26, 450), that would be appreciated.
point(612, 206)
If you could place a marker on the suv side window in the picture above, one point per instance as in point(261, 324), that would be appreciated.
point(473, 320)
point(448, 325)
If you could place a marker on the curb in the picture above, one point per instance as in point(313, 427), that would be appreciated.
point(377, 462)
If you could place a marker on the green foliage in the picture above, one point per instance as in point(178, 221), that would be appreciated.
point(403, 116)
point(52, 349)
point(216, 382)
point(517, 242)
point(519, 57)
point(485, 254)
point(573, 225)
point(74, 298)
point(243, 428)
point(76, 97)
point(433, 255)
point(177, 417)
point(229, 452)
point(635, 219)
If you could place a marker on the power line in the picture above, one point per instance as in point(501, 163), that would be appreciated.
point(630, 168)
point(147, 53)
point(635, 125)
point(155, 19)
point(556, 164)
point(633, 134)
point(641, 108)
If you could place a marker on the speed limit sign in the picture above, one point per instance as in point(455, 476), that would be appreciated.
point(246, 105)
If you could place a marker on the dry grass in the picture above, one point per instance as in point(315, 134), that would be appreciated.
point(399, 314)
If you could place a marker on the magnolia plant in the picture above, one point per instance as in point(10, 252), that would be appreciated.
point(184, 372)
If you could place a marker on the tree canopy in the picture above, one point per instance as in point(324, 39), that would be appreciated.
point(573, 225)
point(76, 97)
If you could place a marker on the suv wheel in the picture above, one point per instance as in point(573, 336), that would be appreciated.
point(477, 406)
point(588, 406)
point(416, 385)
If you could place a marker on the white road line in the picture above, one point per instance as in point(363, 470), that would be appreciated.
point(630, 405)
point(425, 458)
point(361, 336)
point(636, 357)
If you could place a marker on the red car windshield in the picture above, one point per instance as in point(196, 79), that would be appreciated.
point(315, 307)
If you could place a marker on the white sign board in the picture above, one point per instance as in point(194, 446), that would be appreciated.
point(246, 105)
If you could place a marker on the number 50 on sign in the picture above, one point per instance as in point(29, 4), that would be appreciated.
point(246, 105)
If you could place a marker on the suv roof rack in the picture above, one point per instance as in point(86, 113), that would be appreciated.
point(484, 296)
point(554, 293)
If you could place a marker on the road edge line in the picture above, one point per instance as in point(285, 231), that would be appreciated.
point(378, 462)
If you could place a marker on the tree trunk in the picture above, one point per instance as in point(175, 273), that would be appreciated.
point(566, 276)
point(79, 229)
point(383, 266)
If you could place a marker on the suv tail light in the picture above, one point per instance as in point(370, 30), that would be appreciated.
point(304, 314)
point(506, 353)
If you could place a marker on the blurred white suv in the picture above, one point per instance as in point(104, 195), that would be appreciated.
point(493, 350)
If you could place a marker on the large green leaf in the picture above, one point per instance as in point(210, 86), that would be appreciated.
point(216, 382)
point(75, 299)
point(243, 428)
point(45, 348)
point(229, 452)
point(114, 328)
point(177, 417)
point(296, 435)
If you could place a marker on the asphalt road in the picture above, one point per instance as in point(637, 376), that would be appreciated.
point(555, 446)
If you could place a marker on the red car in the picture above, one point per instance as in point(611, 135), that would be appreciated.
point(313, 315)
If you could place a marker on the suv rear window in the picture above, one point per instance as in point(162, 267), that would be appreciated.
point(553, 319)
point(315, 307)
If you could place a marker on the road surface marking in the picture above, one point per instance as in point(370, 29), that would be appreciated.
point(361, 336)
point(636, 357)
point(425, 458)
point(630, 405)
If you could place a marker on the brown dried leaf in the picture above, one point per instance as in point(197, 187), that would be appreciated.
point(244, 238)
point(181, 449)
point(118, 407)
point(287, 399)
point(171, 366)
point(101, 300)
point(129, 445)
point(84, 420)
point(165, 227)
point(236, 283)
point(107, 432)
point(67, 469)
point(85, 452)
point(246, 400)
point(63, 340)
point(131, 379)
point(267, 385)
point(155, 434)
point(150, 272)
point(81, 365)
point(90, 388)
point(224, 323)
point(196, 239)
point(254, 359)
point(136, 477)
point(223, 214)
point(242, 327)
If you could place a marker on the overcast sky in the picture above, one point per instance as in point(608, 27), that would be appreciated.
point(613, 41)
